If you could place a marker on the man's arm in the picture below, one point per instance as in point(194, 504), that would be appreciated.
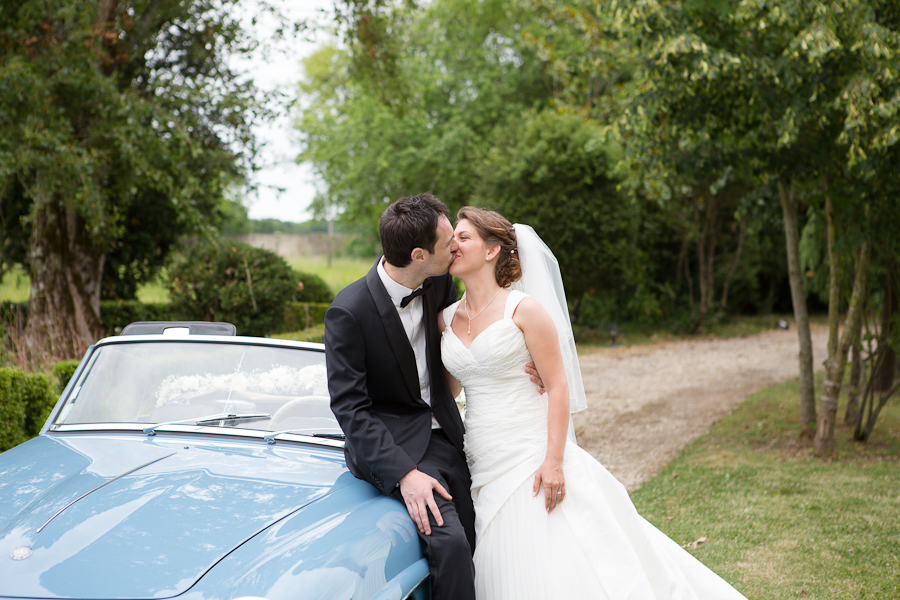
point(366, 434)
point(345, 358)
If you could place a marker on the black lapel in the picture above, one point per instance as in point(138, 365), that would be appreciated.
point(433, 344)
point(395, 333)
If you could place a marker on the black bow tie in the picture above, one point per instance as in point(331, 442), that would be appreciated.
point(416, 293)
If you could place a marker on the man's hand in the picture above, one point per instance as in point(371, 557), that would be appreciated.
point(535, 377)
point(417, 489)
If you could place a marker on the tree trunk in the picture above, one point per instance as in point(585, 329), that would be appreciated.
point(66, 269)
point(834, 285)
point(836, 364)
point(788, 201)
point(851, 415)
point(706, 250)
point(884, 378)
point(734, 263)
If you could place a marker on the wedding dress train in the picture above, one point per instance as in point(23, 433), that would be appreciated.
point(594, 545)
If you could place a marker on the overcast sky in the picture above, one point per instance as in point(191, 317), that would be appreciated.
point(282, 70)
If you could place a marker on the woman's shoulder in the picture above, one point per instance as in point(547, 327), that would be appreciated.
point(527, 311)
point(445, 317)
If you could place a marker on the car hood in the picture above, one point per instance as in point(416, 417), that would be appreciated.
point(161, 511)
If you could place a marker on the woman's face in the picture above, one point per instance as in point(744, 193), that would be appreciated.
point(471, 250)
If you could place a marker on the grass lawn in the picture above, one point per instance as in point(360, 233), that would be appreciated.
point(154, 291)
point(780, 523)
point(343, 271)
point(16, 285)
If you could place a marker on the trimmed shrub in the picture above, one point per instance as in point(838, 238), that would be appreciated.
point(233, 282)
point(12, 411)
point(302, 315)
point(63, 372)
point(312, 288)
point(26, 400)
point(116, 314)
point(314, 334)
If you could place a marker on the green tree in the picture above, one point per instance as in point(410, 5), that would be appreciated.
point(117, 119)
point(777, 92)
point(416, 112)
point(550, 170)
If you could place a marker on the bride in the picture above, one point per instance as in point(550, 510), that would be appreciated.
point(551, 522)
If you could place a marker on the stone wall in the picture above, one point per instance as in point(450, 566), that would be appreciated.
point(294, 244)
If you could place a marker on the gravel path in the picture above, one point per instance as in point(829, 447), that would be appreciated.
point(645, 403)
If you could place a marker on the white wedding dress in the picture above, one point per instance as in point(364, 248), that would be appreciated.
point(594, 545)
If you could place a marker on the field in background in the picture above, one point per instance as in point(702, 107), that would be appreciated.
point(15, 285)
point(343, 271)
point(779, 523)
point(154, 291)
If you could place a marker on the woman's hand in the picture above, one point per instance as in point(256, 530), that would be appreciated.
point(550, 475)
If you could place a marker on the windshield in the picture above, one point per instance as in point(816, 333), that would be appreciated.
point(263, 387)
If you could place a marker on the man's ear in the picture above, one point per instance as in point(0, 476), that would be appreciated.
point(418, 255)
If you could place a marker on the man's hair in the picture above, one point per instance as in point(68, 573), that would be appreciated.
point(410, 223)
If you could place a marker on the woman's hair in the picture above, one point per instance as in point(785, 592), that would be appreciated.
point(495, 230)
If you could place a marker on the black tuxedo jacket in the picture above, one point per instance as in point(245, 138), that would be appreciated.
point(374, 383)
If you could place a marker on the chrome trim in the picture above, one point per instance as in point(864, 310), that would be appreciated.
point(151, 430)
point(217, 339)
point(105, 483)
point(253, 434)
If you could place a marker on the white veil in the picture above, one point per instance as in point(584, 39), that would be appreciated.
point(542, 281)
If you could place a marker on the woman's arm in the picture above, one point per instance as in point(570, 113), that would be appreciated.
point(455, 387)
point(538, 327)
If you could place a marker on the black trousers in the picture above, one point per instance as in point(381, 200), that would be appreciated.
point(449, 548)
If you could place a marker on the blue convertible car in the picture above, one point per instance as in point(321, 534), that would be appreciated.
point(183, 463)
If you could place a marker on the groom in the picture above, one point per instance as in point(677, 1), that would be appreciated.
point(403, 431)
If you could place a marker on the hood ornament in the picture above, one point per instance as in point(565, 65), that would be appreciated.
point(21, 553)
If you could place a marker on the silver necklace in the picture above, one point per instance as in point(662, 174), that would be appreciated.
point(466, 308)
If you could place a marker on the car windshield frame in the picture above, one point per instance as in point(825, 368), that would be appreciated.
point(237, 420)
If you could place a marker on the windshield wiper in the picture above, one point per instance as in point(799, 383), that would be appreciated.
point(210, 419)
point(329, 435)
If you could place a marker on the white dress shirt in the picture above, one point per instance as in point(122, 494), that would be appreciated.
point(413, 324)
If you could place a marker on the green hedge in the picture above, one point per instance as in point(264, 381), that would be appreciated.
point(116, 314)
point(310, 334)
point(312, 288)
point(26, 400)
point(303, 315)
point(234, 282)
point(63, 372)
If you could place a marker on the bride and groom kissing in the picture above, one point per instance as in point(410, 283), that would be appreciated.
point(508, 506)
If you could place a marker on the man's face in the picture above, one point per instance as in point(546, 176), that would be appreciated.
point(438, 263)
